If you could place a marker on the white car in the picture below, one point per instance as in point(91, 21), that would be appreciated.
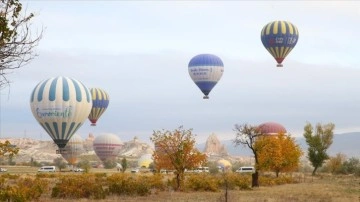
point(3, 169)
point(78, 170)
point(135, 170)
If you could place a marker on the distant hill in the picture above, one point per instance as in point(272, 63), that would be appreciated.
point(345, 143)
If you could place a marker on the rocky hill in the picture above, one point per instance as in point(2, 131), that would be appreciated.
point(45, 151)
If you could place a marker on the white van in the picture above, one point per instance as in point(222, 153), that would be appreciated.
point(246, 169)
point(47, 169)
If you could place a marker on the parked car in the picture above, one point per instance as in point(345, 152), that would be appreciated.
point(135, 170)
point(3, 169)
point(78, 170)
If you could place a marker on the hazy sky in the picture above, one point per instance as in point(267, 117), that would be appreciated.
point(138, 51)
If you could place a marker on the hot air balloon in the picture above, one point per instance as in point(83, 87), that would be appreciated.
point(100, 100)
point(60, 105)
point(107, 146)
point(271, 128)
point(206, 70)
point(279, 38)
point(145, 161)
point(73, 149)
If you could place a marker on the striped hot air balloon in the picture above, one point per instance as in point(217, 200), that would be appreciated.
point(60, 105)
point(100, 100)
point(107, 146)
point(206, 70)
point(73, 149)
point(279, 38)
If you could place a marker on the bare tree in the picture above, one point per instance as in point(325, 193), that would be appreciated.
point(16, 41)
point(247, 135)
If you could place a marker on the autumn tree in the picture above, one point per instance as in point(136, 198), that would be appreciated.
point(318, 142)
point(247, 135)
point(278, 153)
point(175, 150)
point(7, 149)
point(17, 43)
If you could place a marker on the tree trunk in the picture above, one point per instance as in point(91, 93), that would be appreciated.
point(314, 171)
point(277, 173)
point(255, 179)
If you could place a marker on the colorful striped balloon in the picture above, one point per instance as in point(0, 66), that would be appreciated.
point(100, 100)
point(206, 70)
point(60, 105)
point(107, 146)
point(279, 38)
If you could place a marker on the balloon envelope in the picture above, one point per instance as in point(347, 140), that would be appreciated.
point(107, 146)
point(73, 149)
point(145, 161)
point(206, 70)
point(60, 105)
point(100, 102)
point(279, 38)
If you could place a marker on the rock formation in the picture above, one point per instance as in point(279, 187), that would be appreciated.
point(214, 147)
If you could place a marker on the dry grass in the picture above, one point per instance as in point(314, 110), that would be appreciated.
point(323, 188)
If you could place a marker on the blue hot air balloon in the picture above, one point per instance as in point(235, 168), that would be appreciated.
point(279, 38)
point(100, 100)
point(60, 105)
point(206, 70)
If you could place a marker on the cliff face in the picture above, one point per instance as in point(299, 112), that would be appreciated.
point(214, 147)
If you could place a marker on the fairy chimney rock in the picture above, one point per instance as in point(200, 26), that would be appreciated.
point(214, 147)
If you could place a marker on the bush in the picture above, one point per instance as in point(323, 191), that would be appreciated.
point(25, 189)
point(202, 182)
point(79, 186)
point(125, 184)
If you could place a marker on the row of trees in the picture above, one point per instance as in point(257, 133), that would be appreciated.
point(175, 150)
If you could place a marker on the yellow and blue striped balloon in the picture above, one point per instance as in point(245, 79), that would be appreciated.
point(60, 105)
point(279, 38)
point(100, 100)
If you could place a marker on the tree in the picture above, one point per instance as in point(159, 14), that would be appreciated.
point(278, 153)
point(124, 164)
point(60, 163)
point(334, 164)
point(16, 41)
point(247, 135)
point(7, 149)
point(84, 164)
point(175, 150)
point(318, 143)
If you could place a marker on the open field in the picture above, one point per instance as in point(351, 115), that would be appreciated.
point(322, 188)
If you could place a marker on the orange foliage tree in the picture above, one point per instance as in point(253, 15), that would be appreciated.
point(278, 153)
point(175, 150)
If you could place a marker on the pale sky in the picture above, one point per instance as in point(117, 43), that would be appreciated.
point(138, 51)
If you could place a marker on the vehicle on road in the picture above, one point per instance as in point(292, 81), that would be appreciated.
point(3, 170)
point(47, 169)
point(246, 169)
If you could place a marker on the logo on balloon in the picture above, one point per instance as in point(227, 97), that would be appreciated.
point(54, 112)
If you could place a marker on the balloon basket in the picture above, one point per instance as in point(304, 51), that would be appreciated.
point(279, 65)
point(93, 124)
point(61, 151)
point(206, 97)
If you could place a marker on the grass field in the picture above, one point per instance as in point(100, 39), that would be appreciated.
point(322, 188)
